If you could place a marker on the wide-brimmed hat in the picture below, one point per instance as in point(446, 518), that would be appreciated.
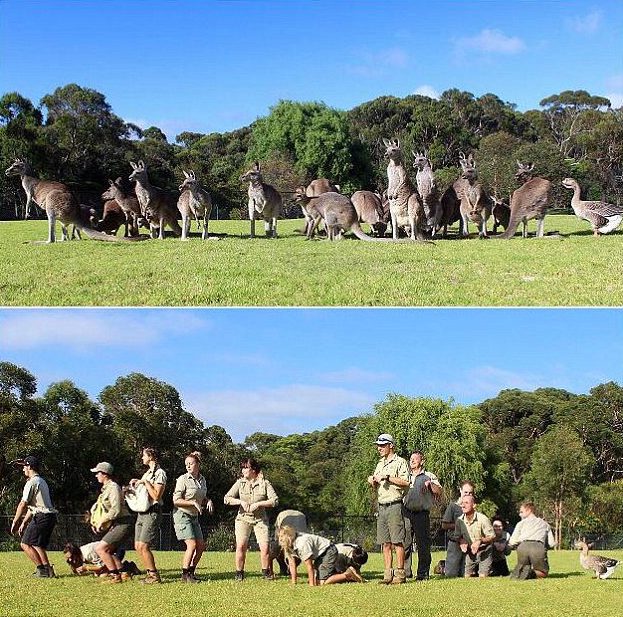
point(106, 468)
point(384, 439)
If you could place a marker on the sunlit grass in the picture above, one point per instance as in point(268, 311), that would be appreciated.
point(576, 269)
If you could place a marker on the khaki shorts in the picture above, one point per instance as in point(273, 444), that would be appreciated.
point(243, 529)
point(121, 530)
point(533, 554)
point(390, 525)
point(147, 527)
point(186, 527)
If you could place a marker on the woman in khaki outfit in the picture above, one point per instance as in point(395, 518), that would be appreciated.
point(253, 494)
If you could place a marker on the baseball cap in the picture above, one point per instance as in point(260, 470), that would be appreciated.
point(384, 439)
point(106, 468)
point(31, 461)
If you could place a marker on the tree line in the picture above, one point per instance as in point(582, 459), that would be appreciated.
point(559, 449)
point(75, 137)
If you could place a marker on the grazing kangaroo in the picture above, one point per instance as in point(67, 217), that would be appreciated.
point(158, 206)
point(370, 210)
point(314, 189)
point(431, 204)
point(264, 200)
point(529, 201)
point(404, 204)
point(128, 204)
point(194, 201)
point(113, 217)
point(501, 214)
point(58, 202)
point(475, 203)
point(602, 216)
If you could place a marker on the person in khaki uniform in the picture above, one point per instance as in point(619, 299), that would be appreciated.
point(476, 536)
point(391, 480)
point(253, 494)
point(455, 559)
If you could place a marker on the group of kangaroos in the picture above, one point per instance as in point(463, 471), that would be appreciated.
point(417, 212)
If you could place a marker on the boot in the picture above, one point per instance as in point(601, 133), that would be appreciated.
point(352, 576)
point(387, 577)
point(239, 575)
point(399, 577)
point(113, 579)
point(267, 574)
point(153, 576)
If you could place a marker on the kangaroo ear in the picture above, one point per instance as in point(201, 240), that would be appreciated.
point(461, 156)
point(386, 142)
point(111, 182)
point(133, 165)
point(185, 174)
point(141, 165)
point(257, 166)
point(192, 175)
point(398, 143)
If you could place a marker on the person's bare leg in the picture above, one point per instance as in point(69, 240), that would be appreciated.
point(200, 546)
point(264, 556)
point(241, 554)
point(400, 556)
point(32, 554)
point(387, 556)
point(189, 553)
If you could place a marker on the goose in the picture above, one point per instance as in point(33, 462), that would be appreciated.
point(602, 566)
point(602, 216)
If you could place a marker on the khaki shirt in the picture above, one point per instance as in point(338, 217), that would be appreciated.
point(309, 545)
point(156, 476)
point(113, 502)
point(452, 513)
point(396, 467)
point(479, 529)
point(532, 528)
point(36, 495)
point(252, 491)
point(417, 499)
point(192, 489)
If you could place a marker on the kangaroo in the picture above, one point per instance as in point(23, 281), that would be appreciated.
point(404, 203)
point(529, 201)
point(501, 214)
point(264, 200)
point(158, 206)
point(338, 213)
point(58, 202)
point(194, 201)
point(429, 195)
point(127, 202)
point(370, 210)
point(314, 189)
point(113, 217)
point(475, 203)
point(451, 207)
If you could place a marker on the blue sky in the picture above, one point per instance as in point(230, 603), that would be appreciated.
point(217, 65)
point(297, 370)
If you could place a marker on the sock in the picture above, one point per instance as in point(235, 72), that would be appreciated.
point(185, 570)
point(42, 567)
point(192, 569)
point(115, 572)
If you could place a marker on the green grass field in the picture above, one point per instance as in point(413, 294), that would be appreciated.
point(574, 270)
point(569, 591)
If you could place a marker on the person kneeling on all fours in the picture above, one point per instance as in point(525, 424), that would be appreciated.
point(84, 560)
point(319, 556)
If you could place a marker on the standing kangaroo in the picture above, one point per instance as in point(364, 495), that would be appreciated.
point(58, 202)
point(194, 202)
point(158, 206)
point(475, 203)
point(264, 200)
point(404, 203)
point(529, 201)
point(431, 204)
point(314, 189)
point(127, 202)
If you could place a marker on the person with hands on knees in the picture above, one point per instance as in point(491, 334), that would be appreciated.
point(39, 517)
point(319, 555)
point(476, 537)
point(252, 493)
point(189, 499)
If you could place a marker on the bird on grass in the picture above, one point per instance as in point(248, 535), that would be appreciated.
point(602, 566)
point(602, 216)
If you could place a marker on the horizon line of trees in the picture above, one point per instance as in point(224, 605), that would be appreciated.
point(559, 449)
point(74, 136)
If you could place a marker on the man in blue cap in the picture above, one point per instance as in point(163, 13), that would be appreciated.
point(39, 517)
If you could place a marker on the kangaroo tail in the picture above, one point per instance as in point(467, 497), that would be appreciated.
point(356, 229)
point(511, 228)
point(98, 235)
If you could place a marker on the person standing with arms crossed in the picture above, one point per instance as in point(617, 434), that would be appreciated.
point(39, 517)
point(418, 501)
point(390, 479)
point(455, 557)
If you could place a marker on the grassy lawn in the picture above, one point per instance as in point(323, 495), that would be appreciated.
point(576, 269)
point(569, 591)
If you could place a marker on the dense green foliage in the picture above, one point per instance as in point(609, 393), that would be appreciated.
point(517, 445)
point(571, 270)
point(75, 137)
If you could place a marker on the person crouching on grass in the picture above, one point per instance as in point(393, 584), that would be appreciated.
point(39, 517)
point(319, 556)
point(84, 560)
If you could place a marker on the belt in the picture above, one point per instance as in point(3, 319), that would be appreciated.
point(538, 541)
point(390, 503)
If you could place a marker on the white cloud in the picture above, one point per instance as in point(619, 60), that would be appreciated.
point(281, 410)
point(489, 41)
point(354, 374)
point(86, 329)
point(425, 90)
point(381, 62)
point(614, 85)
point(585, 24)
